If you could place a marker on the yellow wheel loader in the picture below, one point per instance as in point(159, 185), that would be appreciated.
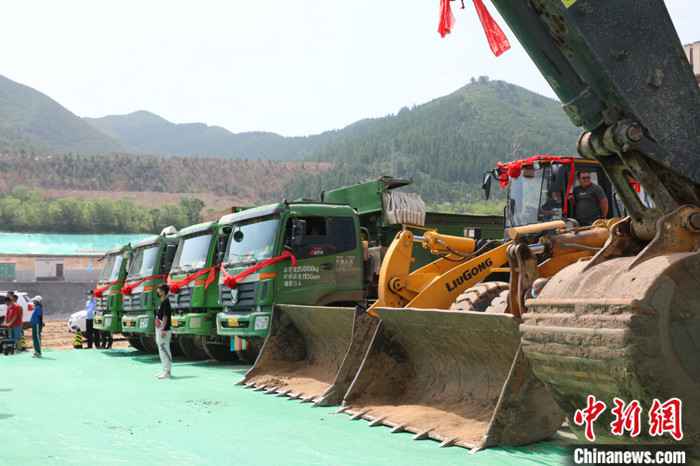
point(440, 374)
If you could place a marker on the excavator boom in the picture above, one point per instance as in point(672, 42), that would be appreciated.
point(621, 73)
point(625, 323)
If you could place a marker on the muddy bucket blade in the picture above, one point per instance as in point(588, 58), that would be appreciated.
point(455, 377)
point(304, 351)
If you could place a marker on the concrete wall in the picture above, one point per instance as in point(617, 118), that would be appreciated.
point(29, 268)
point(60, 298)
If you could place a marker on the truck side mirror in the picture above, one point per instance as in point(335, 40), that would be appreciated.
point(486, 185)
point(298, 231)
point(221, 246)
point(168, 256)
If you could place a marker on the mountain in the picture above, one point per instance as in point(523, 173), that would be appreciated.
point(147, 133)
point(31, 121)
point(445, 145)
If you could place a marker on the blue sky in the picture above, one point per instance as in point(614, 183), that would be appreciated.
point(296, 67)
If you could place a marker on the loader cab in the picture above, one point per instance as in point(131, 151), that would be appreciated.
point(540, 189)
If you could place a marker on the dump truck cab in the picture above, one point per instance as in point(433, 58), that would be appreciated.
point(148, 268)
point(323, 239)
point(193, 281)
point(337, 245)
point(108, 297)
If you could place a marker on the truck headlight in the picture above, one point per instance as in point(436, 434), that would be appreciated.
point(262, 322)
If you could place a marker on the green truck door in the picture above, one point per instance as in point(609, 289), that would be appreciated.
point(327, 262)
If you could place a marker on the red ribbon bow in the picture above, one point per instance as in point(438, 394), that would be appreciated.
point(100, 291)
point(513, 169)
point(176, 286)
point(128, 288)
point(232, 280)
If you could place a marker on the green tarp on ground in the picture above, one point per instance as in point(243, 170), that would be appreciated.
point(63, 245)
point(106, 408)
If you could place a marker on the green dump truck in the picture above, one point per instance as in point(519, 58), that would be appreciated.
point(108, 296)
point(337, 244)
point(194, 289)
point(148, 268)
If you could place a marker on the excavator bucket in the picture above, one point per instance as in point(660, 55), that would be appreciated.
point(456, 377)
point(305, 349)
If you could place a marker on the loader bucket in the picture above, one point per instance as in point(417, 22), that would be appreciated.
point(303, 353)
point(456, 377)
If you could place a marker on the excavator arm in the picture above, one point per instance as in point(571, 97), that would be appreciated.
point(621, 73)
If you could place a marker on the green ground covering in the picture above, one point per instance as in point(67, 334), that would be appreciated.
point(106, 408)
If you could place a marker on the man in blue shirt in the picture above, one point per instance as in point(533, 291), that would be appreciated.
point(90, 306)
point(37, 322)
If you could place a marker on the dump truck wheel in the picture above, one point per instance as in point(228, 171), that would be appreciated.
point(190, 348)
point(479, 297)
point(499, 305)
point(250, 354)
point(220, 352)
point(135, 342)
point(148, 344)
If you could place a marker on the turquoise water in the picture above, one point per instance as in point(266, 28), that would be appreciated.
point(62, 244)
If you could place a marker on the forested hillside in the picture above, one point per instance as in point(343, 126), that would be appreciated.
point(32, 122)
point(445, 145)
point(147, 133)
point(253, 180)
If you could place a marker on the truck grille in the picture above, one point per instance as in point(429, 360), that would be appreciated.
point(101, 304)
point(183, 299)
point(133, 302)
point(245, 297)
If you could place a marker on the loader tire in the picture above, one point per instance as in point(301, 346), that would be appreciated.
point(499, 305)
point(478, 298)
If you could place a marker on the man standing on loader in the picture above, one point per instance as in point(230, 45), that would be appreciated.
point(590, 201)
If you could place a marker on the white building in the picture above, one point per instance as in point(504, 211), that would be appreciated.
point(692, 51)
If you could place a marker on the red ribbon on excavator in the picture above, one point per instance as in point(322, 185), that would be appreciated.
point(232, 280)
point(494, 34)
point(127, 289)
point(176, 286)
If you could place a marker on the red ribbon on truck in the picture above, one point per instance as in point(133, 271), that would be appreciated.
point(232, 280)
point(100, 291)
point(128, 288)
point(176, 286)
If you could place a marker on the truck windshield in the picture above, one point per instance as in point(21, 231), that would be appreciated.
point(116, 267)
point(107, 265)
point(526, 200)
point(252, 240)
point(143, 261)
point(192, 252)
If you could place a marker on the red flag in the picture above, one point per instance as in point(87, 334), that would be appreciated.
point(497, 39)
point(447, 19)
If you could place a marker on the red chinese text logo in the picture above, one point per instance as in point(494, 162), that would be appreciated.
point(664, 418)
